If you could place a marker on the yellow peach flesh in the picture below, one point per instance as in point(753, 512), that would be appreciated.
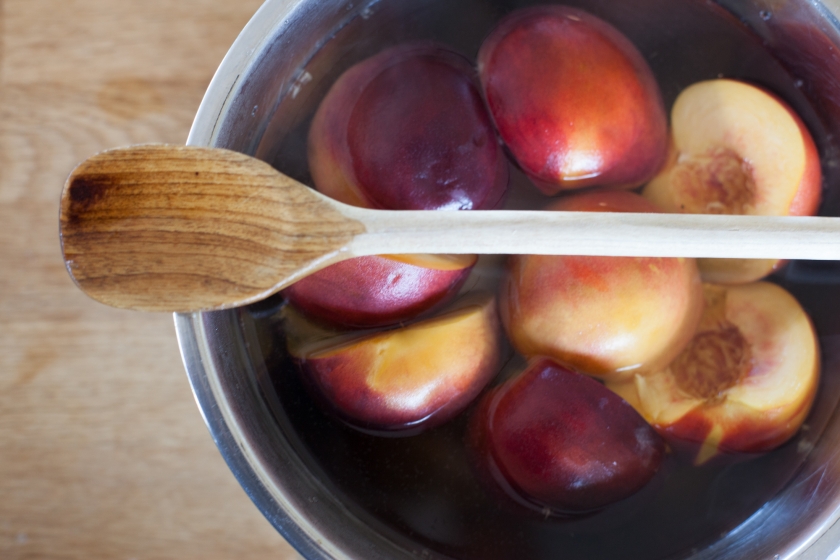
point(447, 345)
point(609, 317)
point(736, 149)
point(782, 346)
point(599, 317)
point(736, 271)
point(437, 262)
point(328, 177)
point(661, 401)
point(773, 369)
point(412, 364)
point(733, 132)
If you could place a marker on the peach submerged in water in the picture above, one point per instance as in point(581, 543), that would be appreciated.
point(407, 129)
point(404, 130)
point(577, 106)
point(553, 438)
point(573, 100)
point(404, 380)
point(605, 316)
point(375, 291)
point(745, 382)
point(737, 149)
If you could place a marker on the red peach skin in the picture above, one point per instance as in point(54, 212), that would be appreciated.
point(573, 100)
point(403, 130)
point(374, 291)
point(609, 317)
point(407, 130)
point(406, 380)
point(553, 438)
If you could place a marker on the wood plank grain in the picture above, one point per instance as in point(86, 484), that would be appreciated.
point(103, 453)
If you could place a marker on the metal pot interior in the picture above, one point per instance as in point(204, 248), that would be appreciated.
point(334, 493)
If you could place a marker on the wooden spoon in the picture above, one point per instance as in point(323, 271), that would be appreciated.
point(177, 228)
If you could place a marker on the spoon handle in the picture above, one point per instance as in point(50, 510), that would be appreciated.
point(596, 233)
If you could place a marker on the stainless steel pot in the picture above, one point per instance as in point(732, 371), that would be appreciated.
point(259, 103)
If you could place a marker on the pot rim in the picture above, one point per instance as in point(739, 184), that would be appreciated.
point(230, 435)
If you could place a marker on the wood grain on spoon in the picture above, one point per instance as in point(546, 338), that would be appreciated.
point(176, 228)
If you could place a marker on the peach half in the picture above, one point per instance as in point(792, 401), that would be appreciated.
point(407, 129)
point(403, 130)
point(377, 291)
point(554, 438)
point(737, 149)
point(573, 99)
point(409, 379)
point(745, 382)
point(609, 317)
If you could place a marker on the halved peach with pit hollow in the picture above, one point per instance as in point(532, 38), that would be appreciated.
point(737, 149)
point(745, 382)
point(408, 379)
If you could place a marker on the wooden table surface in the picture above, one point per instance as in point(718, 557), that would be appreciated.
point(103, 453)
